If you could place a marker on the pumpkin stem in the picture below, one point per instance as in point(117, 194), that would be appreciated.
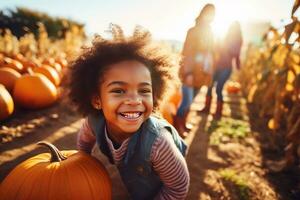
point(56, 155)
point(30, 71)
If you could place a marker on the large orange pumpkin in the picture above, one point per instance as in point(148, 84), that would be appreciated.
point(8, 77)
point(6, 103)
point(1, 58)
point(34, 91)
point(66, 175)
point(49, 72)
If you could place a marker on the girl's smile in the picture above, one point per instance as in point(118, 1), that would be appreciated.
point(132, 116)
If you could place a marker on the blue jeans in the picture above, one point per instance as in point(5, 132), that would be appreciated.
point(219, 77)
point(187, 100)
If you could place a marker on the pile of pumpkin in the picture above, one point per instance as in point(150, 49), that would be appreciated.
point(27, 83)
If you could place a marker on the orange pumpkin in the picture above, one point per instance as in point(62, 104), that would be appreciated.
point(62, 61)
point(25, 62)
point(8, 77)
point(6, 104)
point(18, 56)
point(167, 112)
point(34, 91)
point(65, 175)
point(176, 98)
point(233, 87)
point(2, 59)
point(14, 64)
point(28, 64)
point(169, 108)
point(57, 67)
point(48, 61)
point(49, 72)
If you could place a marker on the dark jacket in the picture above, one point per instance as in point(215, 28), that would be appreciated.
point(136, 168)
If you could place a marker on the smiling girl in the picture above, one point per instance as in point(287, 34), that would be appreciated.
point(117, 85)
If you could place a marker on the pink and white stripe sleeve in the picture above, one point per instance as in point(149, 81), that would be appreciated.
point(85, 139)
point(171, 167)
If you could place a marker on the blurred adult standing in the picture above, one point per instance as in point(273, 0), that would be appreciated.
point(197, 56)
point(227, 52)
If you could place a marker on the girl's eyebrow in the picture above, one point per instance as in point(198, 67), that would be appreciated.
point(145, 84)
point(124, 83)
point(116, 83)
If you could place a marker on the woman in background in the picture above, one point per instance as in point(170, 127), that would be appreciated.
point(228, 51)
point(197, 52)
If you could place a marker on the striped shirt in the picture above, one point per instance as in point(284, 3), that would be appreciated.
point(167, 161)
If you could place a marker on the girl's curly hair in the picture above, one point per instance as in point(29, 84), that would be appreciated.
point(86, 71)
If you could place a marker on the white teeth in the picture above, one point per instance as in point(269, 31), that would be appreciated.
point(131, 115)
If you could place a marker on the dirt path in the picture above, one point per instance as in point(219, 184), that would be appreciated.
point(221, 166)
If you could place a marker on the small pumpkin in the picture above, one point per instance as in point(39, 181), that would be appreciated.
point(34, 91)
point(48, 61)
point(6, 103)
point(176, 97)
point(49, 72)
point(62, 61)
point(14, 64)
point(169, 108)
point(25, 62)
point(57, 67)
point(65, 175)
point(233, 87)
point(8, 77)
point(167, 111)
point(18, 56)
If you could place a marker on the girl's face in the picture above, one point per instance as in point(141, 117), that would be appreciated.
point(126, 97)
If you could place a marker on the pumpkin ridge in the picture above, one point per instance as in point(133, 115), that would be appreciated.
point(21, 186)
point(88, 178)
point(68, 187)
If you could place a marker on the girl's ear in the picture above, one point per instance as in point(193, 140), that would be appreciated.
point(96, 102)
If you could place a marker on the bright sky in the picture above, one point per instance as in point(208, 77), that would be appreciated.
point(166, 19)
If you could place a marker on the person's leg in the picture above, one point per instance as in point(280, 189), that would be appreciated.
point(187, 99)
point(209, 94)
point(223, 77)
point(207, 101)
point(209, 90)
point(180, 118)
point(196, 91)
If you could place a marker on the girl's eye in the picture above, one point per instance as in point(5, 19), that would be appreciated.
point(144, 91)
point(118, 91)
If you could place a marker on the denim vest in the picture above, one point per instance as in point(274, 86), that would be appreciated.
point(136, 168)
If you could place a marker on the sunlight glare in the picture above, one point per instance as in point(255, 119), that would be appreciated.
point(220, 26)
point(225, 15)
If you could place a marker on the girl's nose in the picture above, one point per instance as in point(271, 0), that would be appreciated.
point(133, 100)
